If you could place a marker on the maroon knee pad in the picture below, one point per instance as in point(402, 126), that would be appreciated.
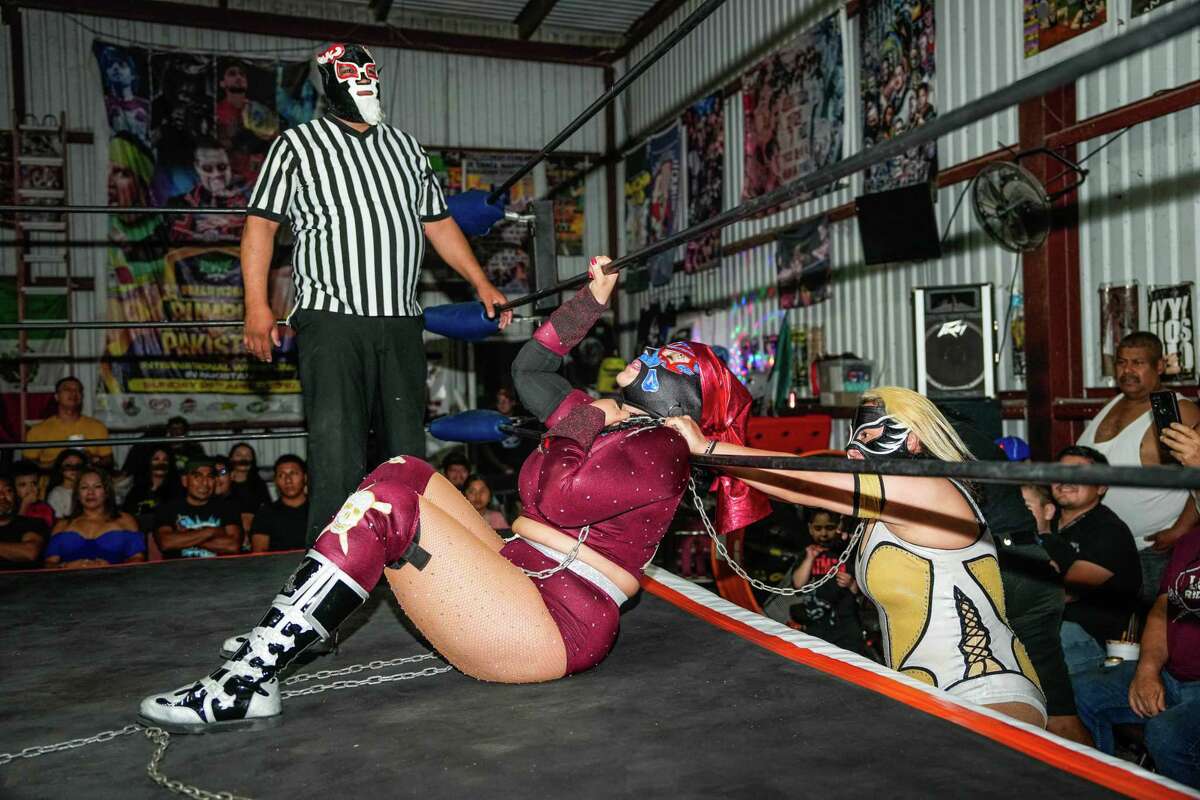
point(378, 525)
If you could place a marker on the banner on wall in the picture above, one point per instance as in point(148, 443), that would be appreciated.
point(1171, 321)
point(705, 125)
point(1016, 328)
point(803, 267)
point(1118, 318)
point(793, 102)
point(1050, 23)
point(898, 70)
point(187, 131)
point(567, 189)
point(654, 198)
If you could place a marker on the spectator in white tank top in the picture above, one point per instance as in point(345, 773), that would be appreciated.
point(1124, 432)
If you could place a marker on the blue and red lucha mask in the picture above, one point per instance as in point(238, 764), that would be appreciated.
point(668, 383)
point(877, 435)
point(351, 83)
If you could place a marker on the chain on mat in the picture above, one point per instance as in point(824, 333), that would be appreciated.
point(161, 739)
point(755, 582)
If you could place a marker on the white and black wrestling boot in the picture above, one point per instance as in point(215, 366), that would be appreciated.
point(320, 647)
point(244, 691)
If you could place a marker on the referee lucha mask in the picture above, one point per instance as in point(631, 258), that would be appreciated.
point(667, 384)
point(351, 83)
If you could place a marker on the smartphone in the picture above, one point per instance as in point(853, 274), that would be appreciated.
point(1165, 407)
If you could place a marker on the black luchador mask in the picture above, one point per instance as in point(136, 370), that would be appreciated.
point(668, 384)
point(351, 83)
point(877, 435)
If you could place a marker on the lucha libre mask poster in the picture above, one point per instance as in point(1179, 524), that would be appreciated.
point(803, 267)
point(1118, 318)
point(794, 105)
point(190, 131)
point(1171, 321)
point(897, 85)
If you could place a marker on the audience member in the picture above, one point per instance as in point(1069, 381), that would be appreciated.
point(197, 525)
point(152, 487)
point(831, 612)
point(457, 468)
point(1162, 687)
point(283, 524)
point(1040, 503)
point(63, 475)
point(1095, 554)
point(500, 462)
point(96, 533)
point(21, 538)
point(28, 478)
point(477, 491)
point(249, 489)
point(1124, 432)
point(68, 422)
point(182, 452)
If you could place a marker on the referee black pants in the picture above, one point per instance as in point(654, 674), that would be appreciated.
point(357, 373)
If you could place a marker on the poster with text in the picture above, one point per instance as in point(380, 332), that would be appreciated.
point(898, 87)
point(506, 252)
point(190, 131)
point(705, 125)
point(803, 268)
point(1171, 320)
point(654, 197)
point(1118, 318)
point(793, 102)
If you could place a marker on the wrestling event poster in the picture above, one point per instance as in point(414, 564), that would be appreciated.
point(191, 130)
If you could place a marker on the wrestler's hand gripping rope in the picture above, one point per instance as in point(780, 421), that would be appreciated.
point(161, 739)
point(807, 588)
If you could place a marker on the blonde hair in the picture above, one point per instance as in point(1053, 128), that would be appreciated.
point(937, 435)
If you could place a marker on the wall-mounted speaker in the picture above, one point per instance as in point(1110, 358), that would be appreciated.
point(954, 329)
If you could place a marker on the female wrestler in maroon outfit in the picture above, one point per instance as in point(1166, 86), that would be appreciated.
point(598, 487)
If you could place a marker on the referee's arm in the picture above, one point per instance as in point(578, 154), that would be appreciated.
point(448, 240)
point(265, 211)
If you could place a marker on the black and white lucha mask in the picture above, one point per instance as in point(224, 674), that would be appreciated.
point(351, 83)
point(878, 435)
point(668, 383)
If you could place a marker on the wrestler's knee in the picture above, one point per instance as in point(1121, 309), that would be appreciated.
point(399, 473)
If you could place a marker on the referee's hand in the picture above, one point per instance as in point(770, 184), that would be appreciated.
point(260, 332)
point(491, 297)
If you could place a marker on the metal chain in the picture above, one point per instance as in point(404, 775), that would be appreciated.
point(161, 740)
point(807, 588)
point(374, 680)
point(566, 562)
point(70, 744)
point(322, 674)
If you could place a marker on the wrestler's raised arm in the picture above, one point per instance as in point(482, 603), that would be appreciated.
point(535, 370)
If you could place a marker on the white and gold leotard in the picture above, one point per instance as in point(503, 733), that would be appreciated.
point(942, 616)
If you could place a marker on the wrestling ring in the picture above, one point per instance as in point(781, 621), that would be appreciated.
point(705, 698)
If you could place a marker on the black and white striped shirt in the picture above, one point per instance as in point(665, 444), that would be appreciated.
point(356, 202)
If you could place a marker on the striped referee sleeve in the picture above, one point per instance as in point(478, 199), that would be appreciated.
point(273, 189)
point(433, 203)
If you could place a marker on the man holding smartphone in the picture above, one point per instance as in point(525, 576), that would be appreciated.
point(1125, 432)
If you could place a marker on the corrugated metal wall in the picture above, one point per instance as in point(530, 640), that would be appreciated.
point(1140, 207)
point(445, 100)
point(870, 310)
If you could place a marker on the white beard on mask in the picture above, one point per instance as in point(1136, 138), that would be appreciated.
point(369, 107)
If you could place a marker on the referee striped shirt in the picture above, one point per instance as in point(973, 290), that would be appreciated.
point(355, 202)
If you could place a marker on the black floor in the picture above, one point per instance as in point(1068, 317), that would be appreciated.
point(680, 709)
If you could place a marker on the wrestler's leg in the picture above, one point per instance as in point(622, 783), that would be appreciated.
point(442, 494)
point(1020, 711)
point(480, 611)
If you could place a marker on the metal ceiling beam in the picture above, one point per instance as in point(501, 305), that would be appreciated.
point(532, 16)
point(323, 30)
point(644, 25)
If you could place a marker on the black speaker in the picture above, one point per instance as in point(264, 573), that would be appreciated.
point(981, 413)
point(955, 341)
point(898, 225)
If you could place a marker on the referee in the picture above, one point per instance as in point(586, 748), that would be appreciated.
point(361, 199)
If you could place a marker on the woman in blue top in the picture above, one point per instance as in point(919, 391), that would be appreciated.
point(95, 533)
